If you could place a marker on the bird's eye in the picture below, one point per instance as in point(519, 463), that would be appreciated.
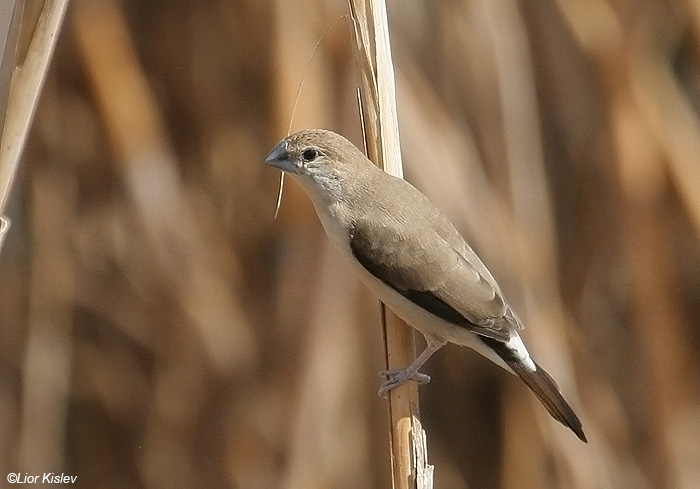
point(310, 154)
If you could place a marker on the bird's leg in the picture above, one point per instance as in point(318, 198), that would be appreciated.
point(395, 378)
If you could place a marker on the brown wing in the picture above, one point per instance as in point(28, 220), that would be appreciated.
point(430, 272)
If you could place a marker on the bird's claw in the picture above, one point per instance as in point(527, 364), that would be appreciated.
point(395, 378)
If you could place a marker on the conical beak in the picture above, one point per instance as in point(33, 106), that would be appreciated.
point(279, 158)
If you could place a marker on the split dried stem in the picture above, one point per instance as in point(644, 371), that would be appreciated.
point(27, 81)
point(380, 121)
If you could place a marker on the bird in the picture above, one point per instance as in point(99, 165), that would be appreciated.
point(414, 260)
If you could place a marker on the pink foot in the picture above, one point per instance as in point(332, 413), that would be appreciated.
point(395, 378)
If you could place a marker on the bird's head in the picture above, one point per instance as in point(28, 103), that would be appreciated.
point(317, 157)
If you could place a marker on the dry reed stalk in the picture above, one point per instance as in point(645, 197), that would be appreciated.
point(533, 231)
point(409, 453)
point(138, 135)
point(27, 80)
point(10, 16)
point(46, 385)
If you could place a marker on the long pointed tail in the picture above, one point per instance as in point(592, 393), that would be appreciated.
point(539, 382)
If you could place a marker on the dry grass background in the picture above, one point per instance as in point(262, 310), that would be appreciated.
point(159, 329)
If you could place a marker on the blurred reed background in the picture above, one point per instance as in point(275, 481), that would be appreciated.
point(159, 329)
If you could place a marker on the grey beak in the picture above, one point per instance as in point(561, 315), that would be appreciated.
point(279, 157)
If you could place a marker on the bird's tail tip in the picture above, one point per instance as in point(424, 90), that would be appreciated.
point(515, 355)
point(547, 391)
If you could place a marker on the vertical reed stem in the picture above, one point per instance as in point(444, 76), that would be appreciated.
point(378, 97)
